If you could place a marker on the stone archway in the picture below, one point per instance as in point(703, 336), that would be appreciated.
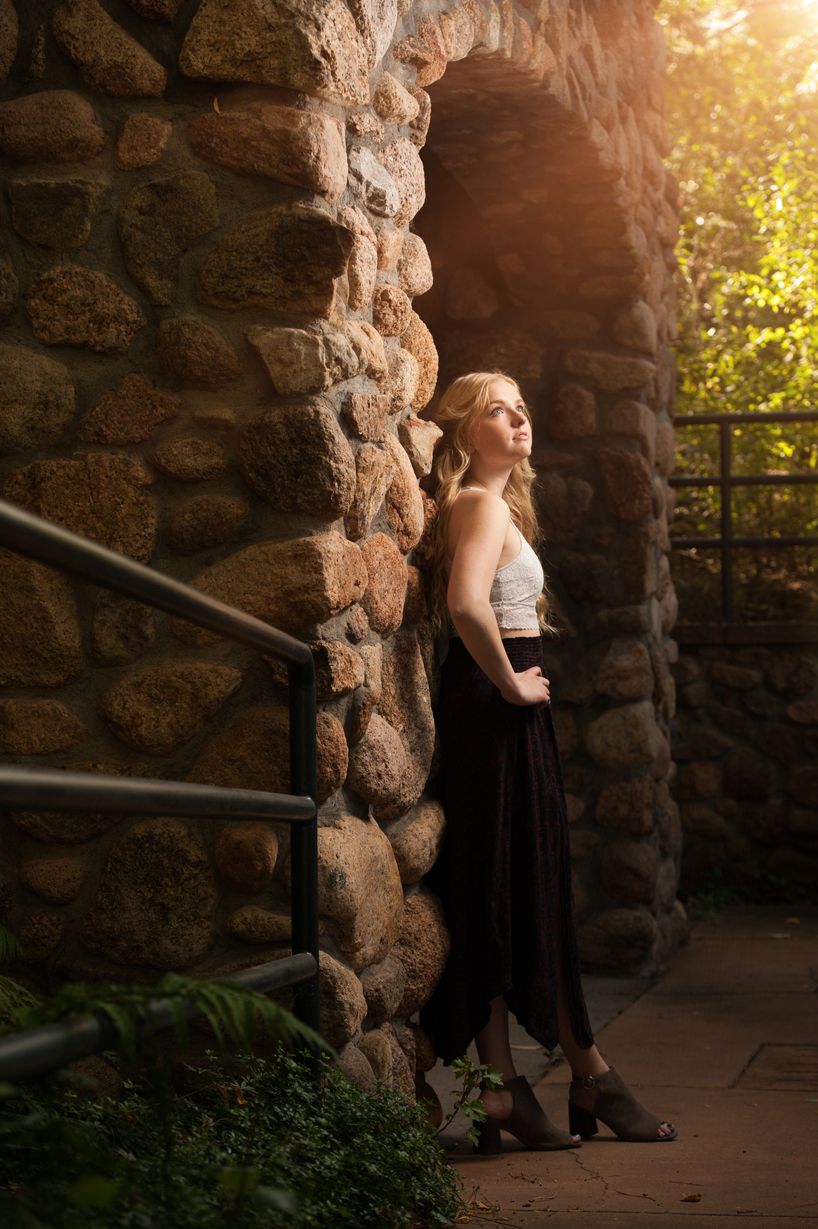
point(550, 225)
point(215, 366)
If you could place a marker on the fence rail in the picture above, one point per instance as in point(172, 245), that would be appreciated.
point(726, 481)
point(56, 790)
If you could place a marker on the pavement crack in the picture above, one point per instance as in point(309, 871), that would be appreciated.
point(607, 1187)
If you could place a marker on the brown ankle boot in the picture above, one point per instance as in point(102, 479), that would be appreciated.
point(616, 1106)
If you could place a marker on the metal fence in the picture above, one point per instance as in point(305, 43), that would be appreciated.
point(726, 482)
point(25, 1055)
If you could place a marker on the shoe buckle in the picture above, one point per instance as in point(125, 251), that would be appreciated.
point(587, 1081)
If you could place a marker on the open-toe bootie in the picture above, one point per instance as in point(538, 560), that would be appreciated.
point(617, 1107)
point(527, 1122)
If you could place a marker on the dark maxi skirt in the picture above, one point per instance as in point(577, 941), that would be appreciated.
point(504, 873)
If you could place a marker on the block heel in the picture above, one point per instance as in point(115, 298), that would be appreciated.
point(581, 1121)
point(488, 1138)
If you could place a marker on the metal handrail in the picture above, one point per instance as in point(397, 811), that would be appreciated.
point(726, 481)
point(32, 536)
point(35, 1052)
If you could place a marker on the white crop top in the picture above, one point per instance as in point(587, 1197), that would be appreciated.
point(516, 586)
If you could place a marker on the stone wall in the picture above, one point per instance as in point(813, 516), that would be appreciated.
point(746, 741)
point(212, 363)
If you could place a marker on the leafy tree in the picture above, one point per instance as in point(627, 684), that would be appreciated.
point(743, 110)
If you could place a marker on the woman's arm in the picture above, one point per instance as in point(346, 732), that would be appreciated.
point(478, 527)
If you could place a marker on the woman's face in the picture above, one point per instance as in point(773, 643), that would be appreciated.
point(501, 435)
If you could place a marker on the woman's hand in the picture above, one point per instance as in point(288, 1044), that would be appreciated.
point(529, 687)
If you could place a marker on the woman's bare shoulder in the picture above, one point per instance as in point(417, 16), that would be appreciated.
point(474, 515)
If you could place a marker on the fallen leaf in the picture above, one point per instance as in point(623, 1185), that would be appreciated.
point(691, 1198)
point(793, 921)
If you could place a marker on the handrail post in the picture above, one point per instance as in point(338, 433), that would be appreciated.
point(304, 837)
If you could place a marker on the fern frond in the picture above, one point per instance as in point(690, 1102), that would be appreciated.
point(10, 948)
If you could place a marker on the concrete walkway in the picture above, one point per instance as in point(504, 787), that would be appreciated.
point(725, 1045)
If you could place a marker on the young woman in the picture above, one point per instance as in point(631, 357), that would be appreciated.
point(504, 873)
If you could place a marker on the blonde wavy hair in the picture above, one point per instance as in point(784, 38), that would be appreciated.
point(457, 412)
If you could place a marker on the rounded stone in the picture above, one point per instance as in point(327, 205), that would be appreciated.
point(54, 213)
point(359, 889)
point(297, 147)
point(415, 840)
point(402, 162)
point(80, 307)
point(253, 751)
point(304, 360)
point(50, 126)
point(121, 629)
point(373, 473)
point(252, 924)
point(419, 437)
point(9, 30)
point(97, 495)
point(41, 645)
point(393, 102)
point(162, 707)
point(628, 482)
point(384, 985)
point(627, 805)
point(356, 1067)
point(158, 222)
point(375, 1045)
point(613, 373)
point(404, 501)
point(417, 339)
point(628, 871)
point(386, 592)
point(299, 460)
point(362, 271)
point(288, 43)
point(129, 413)
point(366, 414)
point(425, 49)
point(142, 141)
point(391, 310)
point(56, 880)
point(38, 727)
point(573, 413)
point(380, 770)
point(343, 1006)
point(406, 704)
point(109, 60)
point(622, 670)
point(156, 898)
point(245, 856)
point(190, 459)
point(286, 258)
point(206, 521)
point(618, 938)
point(195, 353)
point(624, 736)
point(422, 949)
point(414, 266)
point(338, 668)
point(290, 584)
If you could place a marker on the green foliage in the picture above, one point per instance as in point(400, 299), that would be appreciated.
point(252, 1142)
point(233, 1012)
point(743, 109)
point(471, 1077)
point(717, 891)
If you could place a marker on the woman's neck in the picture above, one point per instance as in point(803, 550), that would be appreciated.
point(496, 483)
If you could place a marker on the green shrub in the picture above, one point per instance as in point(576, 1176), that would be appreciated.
point(253, 1142)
